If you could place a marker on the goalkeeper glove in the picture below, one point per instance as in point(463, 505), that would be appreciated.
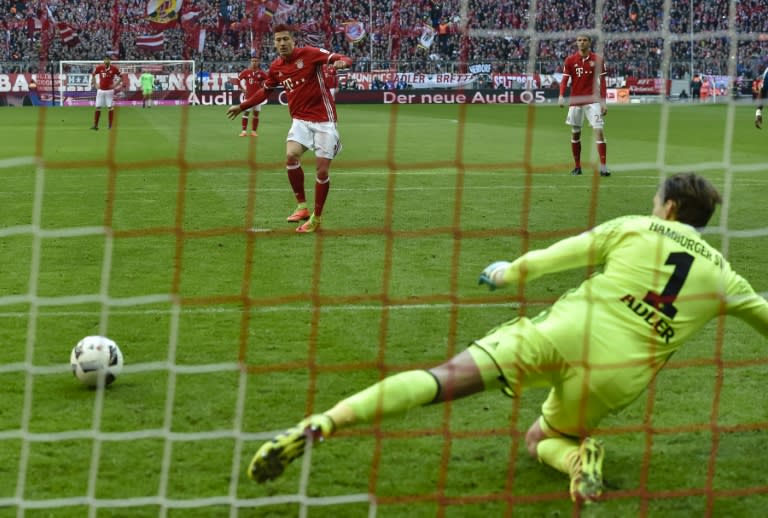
point(493, 275)
point(759, 118)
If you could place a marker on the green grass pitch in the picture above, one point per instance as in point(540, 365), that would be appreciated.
point(200, 270)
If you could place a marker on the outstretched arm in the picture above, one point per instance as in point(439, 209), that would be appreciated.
point(340, 61)
point(569, 253)
point(743, 302)
point(757, 316)
point(269, 84)
point(256, 98)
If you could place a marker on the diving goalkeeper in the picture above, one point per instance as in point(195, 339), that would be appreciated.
point(597, 348)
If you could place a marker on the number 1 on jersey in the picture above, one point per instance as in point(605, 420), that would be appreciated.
point(682, 262)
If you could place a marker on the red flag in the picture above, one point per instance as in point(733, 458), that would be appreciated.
point(151, 42)
point(194, 35)
point(33, 24)
point(201, 40)
point(194, 38)
point(67, 34)
point(190, 16)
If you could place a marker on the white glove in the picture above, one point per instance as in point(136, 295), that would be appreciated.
point(493, 275)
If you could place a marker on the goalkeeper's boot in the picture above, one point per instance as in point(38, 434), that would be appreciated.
point(254, 134)
point(604, 171)
point(243, 133)
point(300, 214)
point(576, 171)
point(587, 480)
point(95, 128)
point(311, 225)
point(274, 456)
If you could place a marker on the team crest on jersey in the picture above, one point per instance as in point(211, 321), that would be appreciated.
point(299, 63)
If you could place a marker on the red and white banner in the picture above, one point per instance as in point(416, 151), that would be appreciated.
point(190, 17)
point(194, 35)
point(151, 43)
point(67, 34)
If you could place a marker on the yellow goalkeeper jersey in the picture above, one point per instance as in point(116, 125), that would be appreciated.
point(661, 282)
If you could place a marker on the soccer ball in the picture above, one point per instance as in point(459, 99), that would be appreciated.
point(96, 361)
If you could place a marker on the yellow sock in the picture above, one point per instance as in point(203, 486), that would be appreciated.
point(560, 453)
point(391, 395)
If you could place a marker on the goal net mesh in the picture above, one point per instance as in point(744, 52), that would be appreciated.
point(167, 234)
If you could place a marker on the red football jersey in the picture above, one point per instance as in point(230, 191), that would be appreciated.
point(105, 76)
point(302, 77)
point(581, 71)
point(253, 80)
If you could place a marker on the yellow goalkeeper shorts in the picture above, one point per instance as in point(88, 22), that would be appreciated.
point(526, 359)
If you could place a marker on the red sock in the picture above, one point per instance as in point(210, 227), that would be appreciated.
point(602, 152)
point(96, 117)
point(321, 193)
point(244, 121)
point(111, 117)
point(255, 122)
point(576, 151)
point(296, 178)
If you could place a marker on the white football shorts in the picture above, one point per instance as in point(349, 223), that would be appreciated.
point(321, 137)
point(592, 112)
point(104, 98)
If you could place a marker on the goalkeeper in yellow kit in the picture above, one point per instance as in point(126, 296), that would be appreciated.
point(597, 348)
point(147, 86)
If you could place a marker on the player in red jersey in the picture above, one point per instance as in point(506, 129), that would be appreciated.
point(299, 70)
point(250, 81)
point(586, 72)
point(106, 78)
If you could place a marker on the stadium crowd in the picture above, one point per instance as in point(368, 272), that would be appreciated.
point(417, 35)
